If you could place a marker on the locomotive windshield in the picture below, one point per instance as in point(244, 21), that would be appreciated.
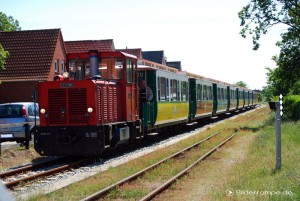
point(109, 68)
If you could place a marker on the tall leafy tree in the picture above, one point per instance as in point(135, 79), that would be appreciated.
point(260, 15)
point(7, 23)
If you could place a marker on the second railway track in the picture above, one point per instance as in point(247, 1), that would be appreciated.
point(186, 159)
point(247, 118)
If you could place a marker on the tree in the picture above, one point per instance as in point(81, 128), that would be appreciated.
point(7, 23)
point(256, 18)
point(260, 15)
point(241, 84)
point(3, 55)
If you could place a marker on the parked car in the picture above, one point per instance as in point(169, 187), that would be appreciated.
point(14, 117)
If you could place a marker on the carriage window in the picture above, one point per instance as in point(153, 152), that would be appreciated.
point(174, 90)
point(184, 91)
point(161, 88)
point(199, 92)
point(158, 88)
point(167, 90)
point(222, 94)
point(209, 93)
point(205, 93)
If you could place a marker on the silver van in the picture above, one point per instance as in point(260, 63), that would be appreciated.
point(14, 117)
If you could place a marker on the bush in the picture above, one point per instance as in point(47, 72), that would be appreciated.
point(291, 107)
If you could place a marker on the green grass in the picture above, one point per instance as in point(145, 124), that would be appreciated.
point(257, 178)
point(81, 189)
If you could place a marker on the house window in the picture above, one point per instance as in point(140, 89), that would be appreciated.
point(63, 66)
point(56, 67)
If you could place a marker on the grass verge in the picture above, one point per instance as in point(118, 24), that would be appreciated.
point(256, 178)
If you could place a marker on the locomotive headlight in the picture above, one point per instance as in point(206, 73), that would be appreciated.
point(65, 75)
point(90, 110)
point(43, 111)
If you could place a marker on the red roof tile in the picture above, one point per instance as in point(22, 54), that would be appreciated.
point(86, 45)
point(31, 53)
point(137, 52)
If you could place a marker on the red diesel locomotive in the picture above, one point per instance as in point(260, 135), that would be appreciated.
point(84, 115)
point(97, 105)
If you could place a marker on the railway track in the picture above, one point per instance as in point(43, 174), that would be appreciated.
point(32, 172)
point(177, 156)
point(23, 181)
point(131, 181)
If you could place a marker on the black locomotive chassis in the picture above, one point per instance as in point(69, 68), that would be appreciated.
point(75, 140)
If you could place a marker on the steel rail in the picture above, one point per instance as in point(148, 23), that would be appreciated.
point(183, 172)
point(27, 167)
point(104, 191)
point(10, 184)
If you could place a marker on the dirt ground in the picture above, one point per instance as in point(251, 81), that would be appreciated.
point(17, 157)
point(212, 173)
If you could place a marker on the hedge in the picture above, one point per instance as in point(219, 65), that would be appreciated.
point(291, 107)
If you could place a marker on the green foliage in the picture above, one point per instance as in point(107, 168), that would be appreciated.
point(8, 23)
point(241, 84)
point(295, 89)
point(259, 15)
point(267, 93)
point(291, 107)
point(3, 56)
point(256, 18)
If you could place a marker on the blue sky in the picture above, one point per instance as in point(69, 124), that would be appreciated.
point(203, 35)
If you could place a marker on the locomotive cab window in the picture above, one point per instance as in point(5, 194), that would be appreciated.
point(130, 71)
point(111, 69)
point(77, 69)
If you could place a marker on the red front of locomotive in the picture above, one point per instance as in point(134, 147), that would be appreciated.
point(67, 103)
point(82, 117)
point(69, 123)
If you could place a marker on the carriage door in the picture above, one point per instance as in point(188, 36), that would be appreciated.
point(131, 91)
point(193, 98)
point(215, 98)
